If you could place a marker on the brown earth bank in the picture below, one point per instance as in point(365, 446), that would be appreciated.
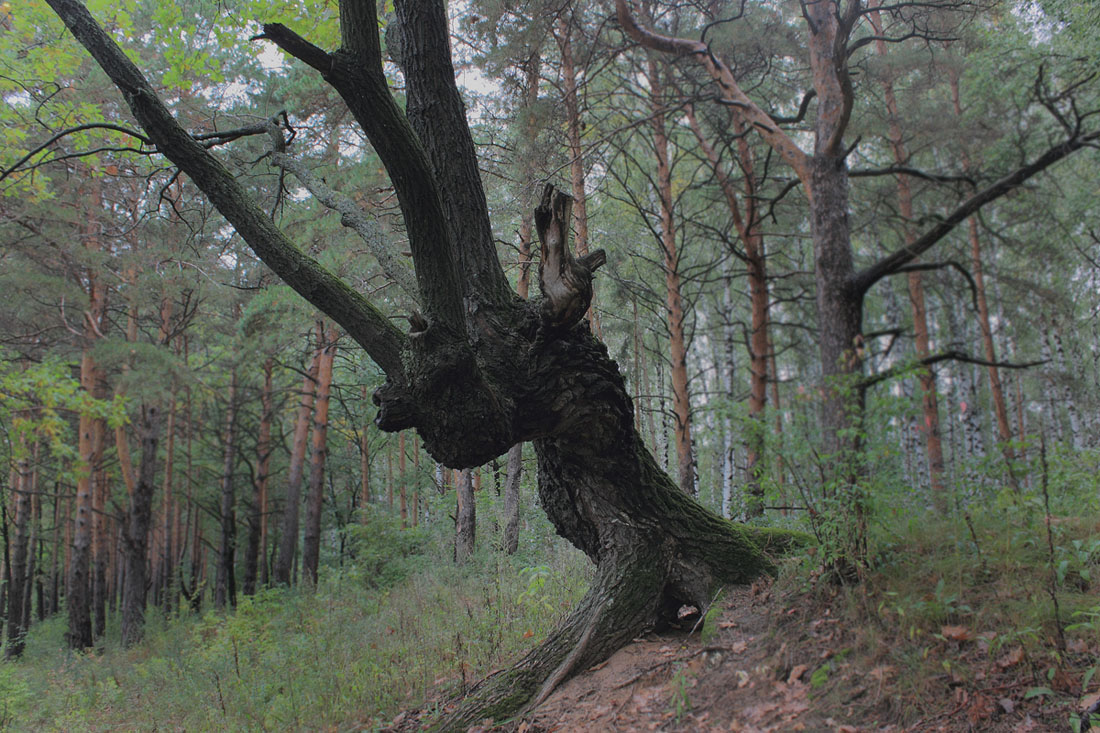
point(796, 660)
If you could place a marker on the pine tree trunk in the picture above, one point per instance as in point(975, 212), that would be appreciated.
point(311, 544)
point(465, 516)
point(681, 398)
point(568, 20)
point(225, 582)
point(748, 231)
point(78, 591)
point(257, 509)
point(288, 534)
point(136, 532)
point(929, 398)
point(17, 578)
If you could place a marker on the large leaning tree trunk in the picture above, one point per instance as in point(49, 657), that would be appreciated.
point(482, 369)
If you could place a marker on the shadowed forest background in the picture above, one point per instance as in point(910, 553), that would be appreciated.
point(845, 258)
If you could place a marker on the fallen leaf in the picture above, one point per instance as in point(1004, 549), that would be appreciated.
point(528, 634)
point(1089, 703)
point(883, 673)
point(727, 624)
point(981, 708)
point(957, 633)
point(796, 674)
point(1064, 682)
point(1011, 659)
point(1007, 704)
point(742, 678)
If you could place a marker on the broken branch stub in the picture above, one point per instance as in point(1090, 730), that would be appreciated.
point(565, 281)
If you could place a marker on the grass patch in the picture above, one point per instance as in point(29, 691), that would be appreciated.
point(376, 637)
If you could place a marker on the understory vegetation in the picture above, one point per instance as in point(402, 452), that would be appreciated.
point(397, 626)
point(953, 618)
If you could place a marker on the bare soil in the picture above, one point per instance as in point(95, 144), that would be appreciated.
point(790, 661)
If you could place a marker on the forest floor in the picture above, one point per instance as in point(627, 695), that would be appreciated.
point(786, 662)
point(804, 655)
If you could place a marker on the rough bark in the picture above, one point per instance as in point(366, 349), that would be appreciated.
point(482, 369)
point(311, 541)
point(288, 537)
point(136, 532)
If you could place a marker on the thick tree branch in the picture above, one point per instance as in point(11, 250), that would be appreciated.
point(731, 91)
point(296, 46)
point(438, 115)
point(890, 264)
point(320, 287)
point(355, 71)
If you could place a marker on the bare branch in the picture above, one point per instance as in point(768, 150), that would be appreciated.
point(731, 91)
point(909, 252)
point(69, 131)
point(331, 295)
point(898, 170)
point(951, 355)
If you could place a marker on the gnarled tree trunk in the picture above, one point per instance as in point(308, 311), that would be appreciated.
point(481, 369)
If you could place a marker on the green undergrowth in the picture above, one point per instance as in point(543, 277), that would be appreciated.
point(376, 637)
point(955, 618)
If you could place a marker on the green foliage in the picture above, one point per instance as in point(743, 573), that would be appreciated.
point(352, 653)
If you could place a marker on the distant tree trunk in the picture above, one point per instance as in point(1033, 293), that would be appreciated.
point(465, 516)
point(34, 543)
point(402, 479)
point(225, 581)
point(288, 535)
point(929, 399)
point(568, 19)
point(18, 619)
point(136, 531)
point(364, 462)
point(257, 509)
point(171, 512)
point(1000, 409)
point(728, 368)
point(311, 545)
point(510, 542)
point(748, 231)
point(681, 398)
point(1067, 394)
point(78, 592)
